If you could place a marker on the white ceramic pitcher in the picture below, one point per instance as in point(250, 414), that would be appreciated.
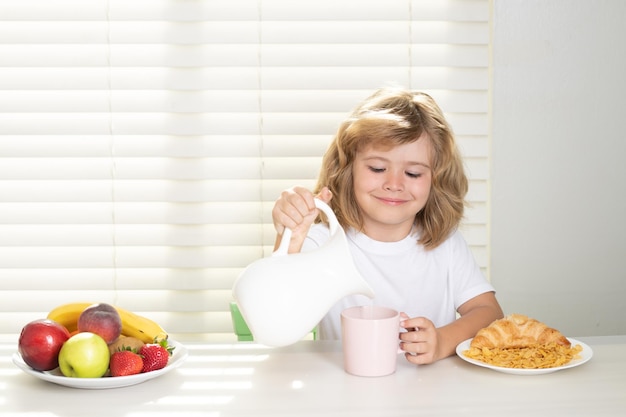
point(284, 296)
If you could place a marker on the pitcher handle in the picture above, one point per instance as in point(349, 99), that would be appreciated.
point(332, 222)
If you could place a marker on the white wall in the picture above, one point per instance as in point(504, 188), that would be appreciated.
point(558, 211)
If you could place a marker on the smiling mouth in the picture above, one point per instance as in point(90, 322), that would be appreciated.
point(391, 201)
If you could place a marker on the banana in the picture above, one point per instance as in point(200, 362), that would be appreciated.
point(67, 314)
point(143, 328)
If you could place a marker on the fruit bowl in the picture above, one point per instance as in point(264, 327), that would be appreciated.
point(55, 376)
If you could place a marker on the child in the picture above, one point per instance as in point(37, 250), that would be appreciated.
point(395, 180)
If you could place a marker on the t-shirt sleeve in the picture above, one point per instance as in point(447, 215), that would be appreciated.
point(466, 277)
point(317, 236)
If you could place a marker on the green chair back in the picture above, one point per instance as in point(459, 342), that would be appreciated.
point(240, 327)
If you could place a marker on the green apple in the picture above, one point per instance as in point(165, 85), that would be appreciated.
point(84, 355)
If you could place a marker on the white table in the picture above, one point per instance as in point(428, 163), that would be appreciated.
point(307, 379)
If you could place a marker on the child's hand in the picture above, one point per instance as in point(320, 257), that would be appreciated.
point(295, 209)
point(420, 341)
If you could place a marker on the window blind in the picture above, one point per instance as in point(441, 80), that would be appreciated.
point(143, 142)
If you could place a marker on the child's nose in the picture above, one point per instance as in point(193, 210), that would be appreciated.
point(394, 182)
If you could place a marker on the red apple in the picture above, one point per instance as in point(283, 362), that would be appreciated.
point(40, 342)
point(101, 319)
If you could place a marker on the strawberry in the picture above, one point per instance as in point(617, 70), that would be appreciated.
point(125, 362)
point(155, 356)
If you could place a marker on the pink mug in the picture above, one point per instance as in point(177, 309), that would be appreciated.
point(370, 340)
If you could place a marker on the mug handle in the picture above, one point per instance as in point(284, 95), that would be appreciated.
point(332, 222)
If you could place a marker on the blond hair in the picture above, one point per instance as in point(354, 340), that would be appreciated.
point(392, 117)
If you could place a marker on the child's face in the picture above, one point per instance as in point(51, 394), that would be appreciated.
point(391, 186)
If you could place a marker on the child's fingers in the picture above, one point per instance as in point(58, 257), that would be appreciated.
point(325, 195)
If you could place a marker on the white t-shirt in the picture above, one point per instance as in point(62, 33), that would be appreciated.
point(407, 278)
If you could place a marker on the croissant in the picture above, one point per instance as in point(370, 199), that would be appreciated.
point(517, 331)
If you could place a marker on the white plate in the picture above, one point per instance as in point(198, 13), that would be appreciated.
point(585, 355)
point(55, 376)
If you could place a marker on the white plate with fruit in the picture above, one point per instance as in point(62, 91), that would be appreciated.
point(55, 376)
point(78, 345)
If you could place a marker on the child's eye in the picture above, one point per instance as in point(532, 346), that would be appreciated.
point(413, 174)
point(377, 170)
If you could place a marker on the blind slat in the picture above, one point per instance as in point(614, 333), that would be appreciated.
point(240, 78)
point(225, 101)
point(245, 32)
point(144, 212)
